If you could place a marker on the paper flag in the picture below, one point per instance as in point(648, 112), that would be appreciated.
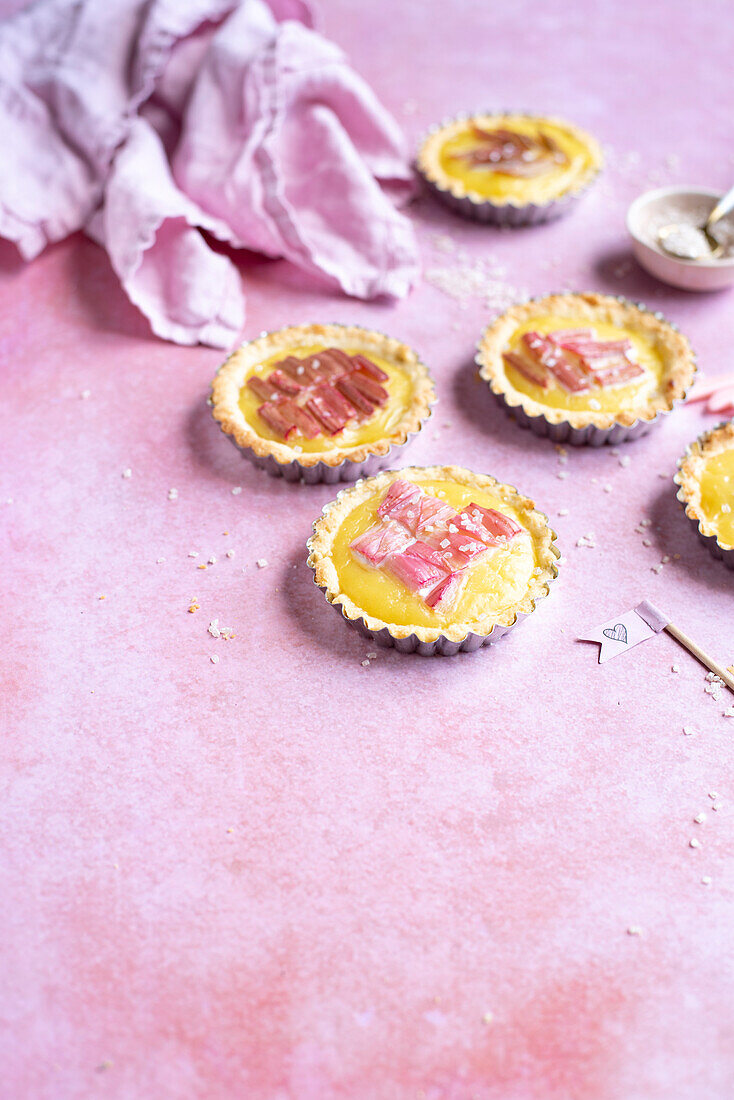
point(625, 631)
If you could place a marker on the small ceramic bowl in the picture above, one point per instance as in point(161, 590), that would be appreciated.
point(651, 211)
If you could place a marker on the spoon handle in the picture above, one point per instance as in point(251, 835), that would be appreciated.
point(723, 206)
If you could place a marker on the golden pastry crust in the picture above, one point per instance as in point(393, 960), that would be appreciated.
point(326, 527)
point(678, 358)
point(690, 468)
point(428, 160)
point(231, 376)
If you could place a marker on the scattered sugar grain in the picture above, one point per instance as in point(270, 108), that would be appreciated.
point(212, 560)
point(159, 561)
point(689, 731)
point(229, 554)
point(607, 488)
point(675, 668)
point(706, 880)
point(262, 563)
point(624, 460)
point(634, 930)
point(563, 511)
point(85, 394)
point(237, 490)
point(700, 818)
point(562, 475)
point(173, 494)
point(214, 659)
point(657, 569)
point(713, 795)
point(127, 473)
point(693, 843)
point(193, 553)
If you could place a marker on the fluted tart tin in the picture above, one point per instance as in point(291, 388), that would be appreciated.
point(330, 557)
point(711, 443)
point(590, 425)
point(322, 402)
point(509, 211)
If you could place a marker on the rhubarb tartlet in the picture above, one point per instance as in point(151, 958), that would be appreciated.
point(322, 402)
point(510, 169)
point(706, 479)
point(433, 560)
point(585, 368)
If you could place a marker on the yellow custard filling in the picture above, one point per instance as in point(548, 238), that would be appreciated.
point(494, 185)
point(717, 495)
point(380, 425)
point(494, 582)
point(612, 399)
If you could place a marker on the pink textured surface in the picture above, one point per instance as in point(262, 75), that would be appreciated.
point(291, 877)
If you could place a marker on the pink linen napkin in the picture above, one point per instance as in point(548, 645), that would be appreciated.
point(144, 122)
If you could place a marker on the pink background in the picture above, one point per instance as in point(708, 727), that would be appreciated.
point(288, 876)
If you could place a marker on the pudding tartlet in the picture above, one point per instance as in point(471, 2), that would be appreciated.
point(585, 368)
point(433, 560)
point(510, 168)
point(706, 479)
point(322, 402)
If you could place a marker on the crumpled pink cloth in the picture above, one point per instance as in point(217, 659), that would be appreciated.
point(146, 121)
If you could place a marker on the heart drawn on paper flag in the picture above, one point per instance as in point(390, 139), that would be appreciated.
point(616, 633)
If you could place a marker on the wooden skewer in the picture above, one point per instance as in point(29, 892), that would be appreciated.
point(724, 673)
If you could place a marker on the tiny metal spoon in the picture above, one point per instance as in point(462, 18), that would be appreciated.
point(686, 241)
